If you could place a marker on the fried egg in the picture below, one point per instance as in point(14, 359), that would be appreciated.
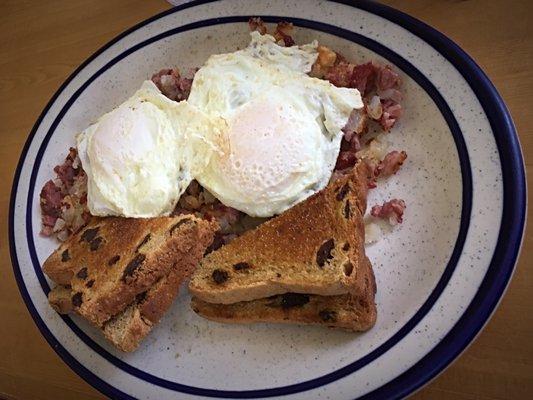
point(279, 130)
point(140, 157)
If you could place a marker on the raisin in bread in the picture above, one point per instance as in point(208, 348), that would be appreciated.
point(316, 247)
point(113, 260)
point(342, 311)
point(127, 329)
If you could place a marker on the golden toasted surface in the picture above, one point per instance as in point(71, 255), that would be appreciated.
point(342, 311)
point(316, 247)
point(127, 329)
point(124, 297)
point(103, 242)
point(113, 260)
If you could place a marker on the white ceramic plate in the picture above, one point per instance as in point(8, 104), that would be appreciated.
point(440, 274)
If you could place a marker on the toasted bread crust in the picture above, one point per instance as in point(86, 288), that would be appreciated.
point(160, 296)
point(316, 247)
point(127, 329)
point(113, 260)
point(60, 298)
point(342, 311)
point(125, 282)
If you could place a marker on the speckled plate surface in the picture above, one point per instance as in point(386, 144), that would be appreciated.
point(440, 274)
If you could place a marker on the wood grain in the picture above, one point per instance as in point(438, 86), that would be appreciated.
point(42, 42)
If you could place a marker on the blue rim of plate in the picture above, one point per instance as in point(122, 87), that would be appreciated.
point(500, 268)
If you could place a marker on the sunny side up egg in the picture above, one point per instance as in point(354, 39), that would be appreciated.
point(281, 129)
point(256, 131)
point(140, 157)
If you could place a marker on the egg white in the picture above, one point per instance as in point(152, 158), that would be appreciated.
point(281, 129)
point(140, 157)
point(256, 131)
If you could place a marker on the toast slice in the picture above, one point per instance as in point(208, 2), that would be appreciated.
point(127, 329)
point(342, 311)
point(113, 260)
point(315, 247)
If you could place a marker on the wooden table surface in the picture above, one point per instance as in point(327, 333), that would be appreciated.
point(42, 42)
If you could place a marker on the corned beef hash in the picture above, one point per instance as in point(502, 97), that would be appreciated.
point(244, 137)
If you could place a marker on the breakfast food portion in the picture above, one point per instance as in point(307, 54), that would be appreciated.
point(312, 255)
point(148, 144)
point(348, 312)
point(316, 247)
point(271, 107)
point(115, 265)
point(249, 175)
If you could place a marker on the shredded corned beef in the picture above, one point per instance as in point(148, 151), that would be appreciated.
point(346, 159)
point(256, 24)
point(391, 210)
point(197, 200)
point(51, 196)
point(172, 84)
point(64, 200)
point(380, 87)
point(350, 142)
point(390, 164)
point(326, 59)
point(340, 74)
point(391, 112)
point(357, 122)
point(363, 77)
point(386, 78)
point(283, 34)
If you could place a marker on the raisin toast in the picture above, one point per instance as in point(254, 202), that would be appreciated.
point(315, 247)
point(126, 329)
point(342, 311)
point(113, 260)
